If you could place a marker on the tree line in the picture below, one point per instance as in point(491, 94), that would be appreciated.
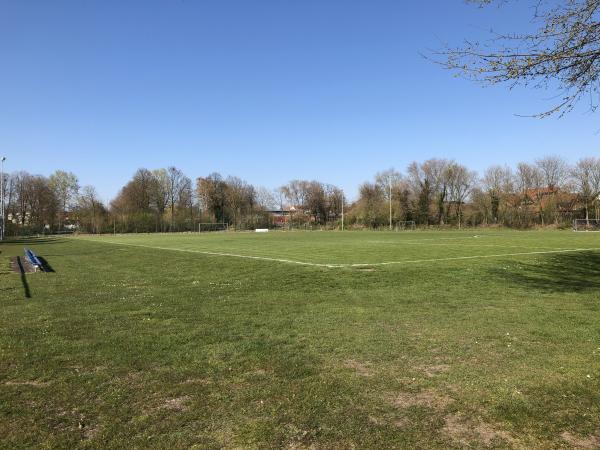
point(436, 192)
point(443, 192)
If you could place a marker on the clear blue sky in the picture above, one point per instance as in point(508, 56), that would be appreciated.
point(333, 90)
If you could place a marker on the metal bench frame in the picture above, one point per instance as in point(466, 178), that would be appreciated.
point(33, 260)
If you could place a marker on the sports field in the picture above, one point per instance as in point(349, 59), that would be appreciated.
point(479, 339)
point(330, 249)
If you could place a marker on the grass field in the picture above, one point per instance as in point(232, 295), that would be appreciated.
point(303, 340)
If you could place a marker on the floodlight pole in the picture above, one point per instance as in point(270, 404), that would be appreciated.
point(2, 197)
point(390, 186)
point(342, 210)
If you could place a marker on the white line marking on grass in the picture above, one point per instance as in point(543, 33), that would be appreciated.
point(522, 247)
point(342, 265)
point(459, 258)
point(206, 252)
point(417, 241)
point(462, 244)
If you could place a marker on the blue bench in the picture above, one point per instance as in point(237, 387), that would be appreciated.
point(33, 260)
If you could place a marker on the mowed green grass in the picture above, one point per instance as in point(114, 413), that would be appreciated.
point(178, 347)
point(349, 248)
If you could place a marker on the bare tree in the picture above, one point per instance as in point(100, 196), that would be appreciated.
point(20, 210)
point(335, 200)
point(554, 170)
point(176, 182)
point(316, 201)
point(563, 52)
point(482, 203)
point(266, 199)
point(295, 193)
point(42, 203)
point(370, 209)
point(431, 182)
point(159, 193)
point(9, 191)
point(388, 181)
point(65, 186)
point(185, 202)
point(586, 177)
point(388, 178)
point(211, 192)
point(497, 182)
point(527, 178)
point(90, 210)
point(436, 171)
point(141, 202)
point(460, 181)
point(236, 197)
point(537, 192)
point(421, 184)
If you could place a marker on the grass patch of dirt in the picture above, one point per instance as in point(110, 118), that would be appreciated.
point(468, 434)
point(177, 404)
point(429, 398)
point(199, 381)
point(360, 368)
point(33, 383)
point(587, 442)
point(435, 370)
point(21, 265)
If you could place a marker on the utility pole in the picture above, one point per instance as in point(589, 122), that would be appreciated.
point(2, 196)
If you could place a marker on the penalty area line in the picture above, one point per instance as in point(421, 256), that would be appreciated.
point(460, 258)
point(210, 253)
point(342, 265)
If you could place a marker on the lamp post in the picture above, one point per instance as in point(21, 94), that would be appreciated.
point(342, 210)
point(292, 209)
point(2, 197)
point(390, 193)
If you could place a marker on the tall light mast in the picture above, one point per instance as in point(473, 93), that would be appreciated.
point(342, 210)
point(390, 193)
point(2, 197)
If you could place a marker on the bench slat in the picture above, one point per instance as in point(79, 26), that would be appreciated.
point(33, 259)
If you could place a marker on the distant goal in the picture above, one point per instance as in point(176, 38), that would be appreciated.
point(209, 226)
point(586, 225)
point(406, 225)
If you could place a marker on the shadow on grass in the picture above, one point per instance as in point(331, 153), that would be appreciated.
point(34, 240)
point(45, 266)
point(564, 272)
point(23, 278)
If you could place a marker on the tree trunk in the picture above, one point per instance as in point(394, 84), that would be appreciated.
point(172, 215)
